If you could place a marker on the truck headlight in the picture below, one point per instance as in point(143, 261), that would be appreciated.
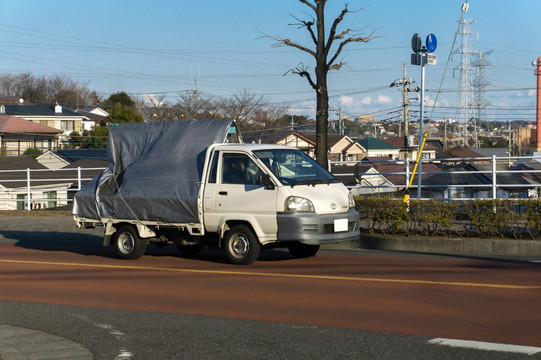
point(295, 203)
point(351, 200)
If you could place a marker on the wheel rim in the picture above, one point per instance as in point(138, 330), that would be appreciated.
point(126, 243)
point(239, 245)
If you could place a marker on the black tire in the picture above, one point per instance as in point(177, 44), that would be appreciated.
point(300, 250)
point(190, 250)
point(241, 245)
point(128, 243)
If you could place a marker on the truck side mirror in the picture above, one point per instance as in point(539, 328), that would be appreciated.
point(265, 180)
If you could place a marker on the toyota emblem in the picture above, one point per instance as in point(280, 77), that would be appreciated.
point(333, 206)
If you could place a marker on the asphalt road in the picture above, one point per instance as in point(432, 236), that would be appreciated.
point(59, 280)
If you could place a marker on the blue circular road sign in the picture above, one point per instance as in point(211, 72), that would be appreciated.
point(431, 43)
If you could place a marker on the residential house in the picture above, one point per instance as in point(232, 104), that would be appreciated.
point(62, 158)
point(300, 141)
point(530, 169)
point(47, 187)
point(339, 147)
point(460, 152)
point(429, 150)
point(489, 152)
point(93, 116)
point(17, 135)
point(53, 116)
point(376, 176)
point(379, 148)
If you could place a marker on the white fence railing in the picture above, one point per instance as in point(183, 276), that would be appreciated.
point(448, 179)
point(31, 189)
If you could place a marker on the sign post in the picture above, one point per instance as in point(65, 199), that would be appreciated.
point(421, 56)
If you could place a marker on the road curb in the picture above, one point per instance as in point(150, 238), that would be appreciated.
point(442, 245)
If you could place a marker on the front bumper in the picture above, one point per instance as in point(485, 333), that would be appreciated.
point(314, 229)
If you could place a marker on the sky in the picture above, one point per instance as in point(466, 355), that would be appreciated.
point(163, 48)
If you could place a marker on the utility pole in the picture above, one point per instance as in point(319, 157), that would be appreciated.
point(405, 86)
point(445, 134)
point(195, 95)
point(537, 64)
point(340, 121)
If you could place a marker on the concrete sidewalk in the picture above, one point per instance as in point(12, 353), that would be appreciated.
point(18, 343)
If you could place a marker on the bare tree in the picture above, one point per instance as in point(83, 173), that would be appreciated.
point(251, 111)
point(48, 90)
point(325, 61)
point(196, 107)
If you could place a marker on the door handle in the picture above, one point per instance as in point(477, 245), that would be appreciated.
point(222, 193)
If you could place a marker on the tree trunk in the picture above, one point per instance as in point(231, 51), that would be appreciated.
point(322, 119)
point(322, 96)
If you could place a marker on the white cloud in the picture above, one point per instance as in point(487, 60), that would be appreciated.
point(346, 101)
point(384, 99)
point(366, 100)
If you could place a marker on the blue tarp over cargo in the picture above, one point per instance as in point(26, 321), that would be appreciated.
point(154, 172)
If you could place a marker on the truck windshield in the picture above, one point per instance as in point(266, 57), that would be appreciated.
point(293, 167)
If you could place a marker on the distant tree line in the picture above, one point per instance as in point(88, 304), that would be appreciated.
point(47, 90)
point(256, 116)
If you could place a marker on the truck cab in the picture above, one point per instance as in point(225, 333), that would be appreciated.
point(257, 196)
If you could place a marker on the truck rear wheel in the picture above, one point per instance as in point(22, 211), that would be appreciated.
point(241, 245)
point(300, 250)
point(128, 243)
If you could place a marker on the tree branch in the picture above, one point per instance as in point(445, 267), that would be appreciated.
point(362, 39)
point(308, 25)
point(286, 42)
point(332, 33)
point(302, 71)
point(309, 4)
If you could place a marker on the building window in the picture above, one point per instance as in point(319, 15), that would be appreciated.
point(22, 204)
point(67, 125)
point(49, 195)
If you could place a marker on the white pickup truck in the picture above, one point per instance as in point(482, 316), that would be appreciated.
point(241, 197)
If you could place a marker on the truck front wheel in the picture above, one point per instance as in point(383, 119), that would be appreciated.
point(300, 250)
point(128, 243)
point(241, 245)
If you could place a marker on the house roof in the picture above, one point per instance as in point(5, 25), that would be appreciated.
point(460, 152)
point(399, 142)
point(88, 163)
point(371, 143)
point(503, 177)
point(332, 139)
point(90, 115)
point(393, 171)
point(36, 110)
point(488, 152)
point(73, 155)
point(15, 125)
point(17, 179)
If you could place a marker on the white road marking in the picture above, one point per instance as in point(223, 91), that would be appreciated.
point(486, 346)
point(119, 335)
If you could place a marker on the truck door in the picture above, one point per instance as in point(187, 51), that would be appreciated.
point(233, 193)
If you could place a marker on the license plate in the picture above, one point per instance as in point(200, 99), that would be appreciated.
point(340, 225)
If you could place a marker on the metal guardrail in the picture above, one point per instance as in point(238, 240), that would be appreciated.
point(494, 186)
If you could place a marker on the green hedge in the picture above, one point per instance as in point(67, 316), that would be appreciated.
point(475, 218)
